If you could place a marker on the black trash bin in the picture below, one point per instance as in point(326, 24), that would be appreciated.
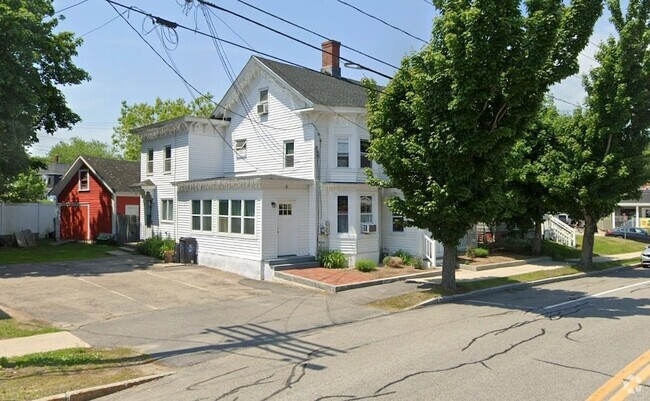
point(188, 249)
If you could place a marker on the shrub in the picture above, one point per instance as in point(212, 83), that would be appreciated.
point(366, 265)
point(470, 252)
point(481, 252)
point(407, 258)
point(386, 260)
point(155, 246)
point(418, 263)
point(332, 259)
point(393, 261)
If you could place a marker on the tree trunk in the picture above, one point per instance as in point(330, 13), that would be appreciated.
point(586, 257)
point(449, 263)
point(536, 246)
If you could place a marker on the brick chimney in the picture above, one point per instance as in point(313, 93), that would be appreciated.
point(331, 62)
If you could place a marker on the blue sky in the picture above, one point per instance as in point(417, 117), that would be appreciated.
point(124, 68)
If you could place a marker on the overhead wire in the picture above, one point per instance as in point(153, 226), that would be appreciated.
point(315, 33)
point(383, 21)
point(103, 25)
point(69, 7)
point(209, 4)
point(181, 77)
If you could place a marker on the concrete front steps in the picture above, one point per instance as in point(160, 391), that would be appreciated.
point(293, 262)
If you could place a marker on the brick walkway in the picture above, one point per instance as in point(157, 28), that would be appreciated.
point(350, 276)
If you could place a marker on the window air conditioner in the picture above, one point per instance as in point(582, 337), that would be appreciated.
point(262, 108)
point(368, 228)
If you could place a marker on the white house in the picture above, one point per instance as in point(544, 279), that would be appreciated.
point(275, 173)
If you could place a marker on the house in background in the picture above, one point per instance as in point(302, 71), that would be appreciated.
point(93, 194)
point(630, 212)
point(276, 173)
point(53, 174)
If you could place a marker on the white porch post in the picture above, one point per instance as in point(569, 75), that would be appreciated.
point(637, 221)
point(614, 219)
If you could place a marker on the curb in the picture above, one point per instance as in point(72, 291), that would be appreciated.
point(345, 287)
point(100, 391)
point(458, 297)
point(497, 265)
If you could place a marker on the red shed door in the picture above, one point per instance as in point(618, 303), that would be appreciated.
point(74, 222)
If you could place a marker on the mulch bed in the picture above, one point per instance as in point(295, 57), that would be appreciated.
point(496, 258)
point(351, 275)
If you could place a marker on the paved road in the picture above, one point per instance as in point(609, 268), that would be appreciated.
point(559, 341)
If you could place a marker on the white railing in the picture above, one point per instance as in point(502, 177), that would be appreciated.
point(558, 231)
point(430, 250)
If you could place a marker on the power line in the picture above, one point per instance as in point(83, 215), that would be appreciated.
point(564, 101)
point(179, 75)
point(207, 3)
point(171, 24)
point(103, 25)
point(383, 21)
point(316, 33)
point(69, 7)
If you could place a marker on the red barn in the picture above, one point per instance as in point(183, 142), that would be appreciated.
point(92, 194)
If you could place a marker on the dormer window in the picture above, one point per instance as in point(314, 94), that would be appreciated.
point(240, 147)
point(84, 180)
point(263, 104)
point(342, 153)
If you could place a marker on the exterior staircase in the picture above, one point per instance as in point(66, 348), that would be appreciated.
point(558, 231)
point(293, 262)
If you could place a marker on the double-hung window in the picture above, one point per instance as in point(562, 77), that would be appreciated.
point(364, 144)
point(237, 216)
point(398, 223)
point(84, 180)
point(149, 161)
point(289, 147)
point(202, 215)
point(342, 153)
point(168, 159)
point(342, 214)
point(366, 209)
point(167, 210)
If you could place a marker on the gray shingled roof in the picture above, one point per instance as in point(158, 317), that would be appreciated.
point(118, 174)
point(319, 88)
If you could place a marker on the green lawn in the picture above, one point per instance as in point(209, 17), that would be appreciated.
point(45, 252)
point(602, 246)
point(10, 328)
point(413, 298)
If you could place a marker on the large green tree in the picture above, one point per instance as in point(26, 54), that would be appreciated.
point(35, 62)
point(447, 120)
point(69, 151)
point(140, 114)
point(27, 186)
point(530, 180)
point(603, 158)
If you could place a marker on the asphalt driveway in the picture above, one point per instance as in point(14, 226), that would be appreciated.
point(76, 293)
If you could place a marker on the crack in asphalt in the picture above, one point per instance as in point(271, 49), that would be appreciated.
point(293, 379)
point(572, 367)
point(195, 386)
point(460, 365)
point(555, 315)
point(255, 383)
point(573, 331)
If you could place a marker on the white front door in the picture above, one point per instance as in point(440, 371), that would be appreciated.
point(287, 229)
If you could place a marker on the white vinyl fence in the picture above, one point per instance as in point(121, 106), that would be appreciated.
point(27, 216)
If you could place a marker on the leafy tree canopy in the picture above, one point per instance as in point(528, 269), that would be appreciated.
point(68, 152)
point(27, 186)
point(140, 114)
point(603, 158)
point(34, 63)
point(453, 111)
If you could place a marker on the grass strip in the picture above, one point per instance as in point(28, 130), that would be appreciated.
point(411, 299)
point(43, 374)
point(45, 252)
point(11, 328)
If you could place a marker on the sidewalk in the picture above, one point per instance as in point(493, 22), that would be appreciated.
point(40, 343)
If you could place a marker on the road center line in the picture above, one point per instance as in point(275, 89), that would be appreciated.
point(116, 293)
point(596, 295)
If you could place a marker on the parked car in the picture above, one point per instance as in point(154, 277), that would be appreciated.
point(633, 233)
point(645, 257)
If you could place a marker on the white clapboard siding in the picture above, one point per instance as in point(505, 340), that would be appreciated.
point(304, 215)
point(266, 134)
point(206, 153)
